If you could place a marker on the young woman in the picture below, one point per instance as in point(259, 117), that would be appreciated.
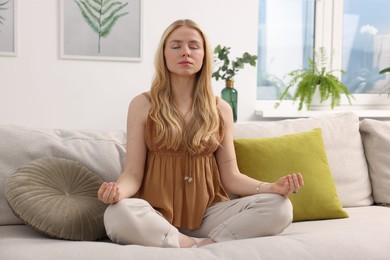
point(180, 160)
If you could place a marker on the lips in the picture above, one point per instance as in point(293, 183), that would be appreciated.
point(185, 63)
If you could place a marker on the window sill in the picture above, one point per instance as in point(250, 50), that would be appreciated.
point(265, 110)
point(272, 114)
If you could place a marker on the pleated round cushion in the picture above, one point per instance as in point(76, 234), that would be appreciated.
point(58, 198)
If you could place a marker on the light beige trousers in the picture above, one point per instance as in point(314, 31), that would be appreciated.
point(134, 221)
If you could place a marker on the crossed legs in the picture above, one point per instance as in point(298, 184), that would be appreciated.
point(134, 221)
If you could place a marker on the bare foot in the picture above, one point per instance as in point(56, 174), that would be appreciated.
point(186, 241)
point(205, 242)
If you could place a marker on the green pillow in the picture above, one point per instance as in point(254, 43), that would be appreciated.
point(268, 159)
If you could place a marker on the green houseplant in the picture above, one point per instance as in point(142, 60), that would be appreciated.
point(384, 70)
point(387, 88)
point(226, 69)
point(316, 79)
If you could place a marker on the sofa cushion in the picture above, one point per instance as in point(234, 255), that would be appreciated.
point(343, 146)
point(376, 141)
point(365, 235)
point(268, 159)
point(58, 198)
point(103, 152)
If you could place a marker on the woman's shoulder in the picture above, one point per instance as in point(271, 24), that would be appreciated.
point(142, 99)
point(223, 106)
point(140, 104)
point(225, 111)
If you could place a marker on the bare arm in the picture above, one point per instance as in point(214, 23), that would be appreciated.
point(130, 179)
point(241, 184)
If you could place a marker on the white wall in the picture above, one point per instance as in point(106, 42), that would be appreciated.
point(37, 89)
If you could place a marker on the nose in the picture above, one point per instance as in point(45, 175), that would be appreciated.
point(186, 51)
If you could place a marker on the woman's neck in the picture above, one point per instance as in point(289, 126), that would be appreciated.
point(182, 94)
point(182, 89)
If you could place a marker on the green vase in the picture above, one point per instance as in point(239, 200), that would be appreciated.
point(230, 95)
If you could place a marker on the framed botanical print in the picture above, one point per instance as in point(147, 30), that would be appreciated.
point(101, 30)
point(7, 27)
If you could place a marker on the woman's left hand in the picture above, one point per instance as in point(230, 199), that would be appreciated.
point(288, 185)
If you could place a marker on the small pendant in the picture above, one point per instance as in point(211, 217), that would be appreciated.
point(188, 179)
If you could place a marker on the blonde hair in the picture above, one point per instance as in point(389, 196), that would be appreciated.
point(170, 133)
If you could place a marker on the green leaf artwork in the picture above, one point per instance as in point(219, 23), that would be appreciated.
point(101, 15)
point(2, 8)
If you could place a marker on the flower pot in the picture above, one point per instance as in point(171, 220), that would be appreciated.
point(316, 103)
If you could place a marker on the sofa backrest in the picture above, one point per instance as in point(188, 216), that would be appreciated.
point(343, 147)
point(103, 152)
point(376, 142)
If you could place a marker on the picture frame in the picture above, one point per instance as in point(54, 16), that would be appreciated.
point(110, 31)
point(8, 33)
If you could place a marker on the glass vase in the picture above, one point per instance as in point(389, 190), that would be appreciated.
point(230, 95)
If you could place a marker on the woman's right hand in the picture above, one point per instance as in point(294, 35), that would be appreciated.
point(109, 193)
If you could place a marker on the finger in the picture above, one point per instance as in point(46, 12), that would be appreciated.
point(300, 180)
point(107, 192)
point(291, 184)
point(113, 194)
point(117, 196)
point(101, 190)
point(296, 182)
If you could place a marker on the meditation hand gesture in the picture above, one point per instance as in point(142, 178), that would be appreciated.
point(109, 193)
point(288, 185)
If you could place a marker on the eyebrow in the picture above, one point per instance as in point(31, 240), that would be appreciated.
point(180, 41)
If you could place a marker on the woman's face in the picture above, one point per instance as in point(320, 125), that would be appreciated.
point(184, 51)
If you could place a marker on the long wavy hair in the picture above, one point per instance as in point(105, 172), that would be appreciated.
point(204, 125)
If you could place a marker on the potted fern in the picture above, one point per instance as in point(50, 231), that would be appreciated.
point(226, 69)
point(316, 79)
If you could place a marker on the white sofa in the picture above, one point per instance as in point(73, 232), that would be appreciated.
point(358, 156)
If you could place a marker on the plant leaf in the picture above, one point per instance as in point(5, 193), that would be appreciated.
point(100, 15)
point(3, 4)
point(88, 15)
point(3, 7)
point(227, 68)
point(112, 22)
point(316, 75)
point(113, 14)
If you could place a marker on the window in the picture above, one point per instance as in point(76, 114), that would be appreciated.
point(366, 45)
point(357, 32)
point(286, 40)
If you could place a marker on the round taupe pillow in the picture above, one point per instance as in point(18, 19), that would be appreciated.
point(58, 198)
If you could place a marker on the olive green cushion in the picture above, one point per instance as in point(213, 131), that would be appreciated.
point(58, 198)
point(268, 159)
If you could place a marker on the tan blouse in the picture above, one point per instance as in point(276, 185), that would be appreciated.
point(181, 185)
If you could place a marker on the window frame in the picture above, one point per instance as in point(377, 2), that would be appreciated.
point(329, 34)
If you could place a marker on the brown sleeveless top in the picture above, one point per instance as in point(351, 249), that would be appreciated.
point(179, 184)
